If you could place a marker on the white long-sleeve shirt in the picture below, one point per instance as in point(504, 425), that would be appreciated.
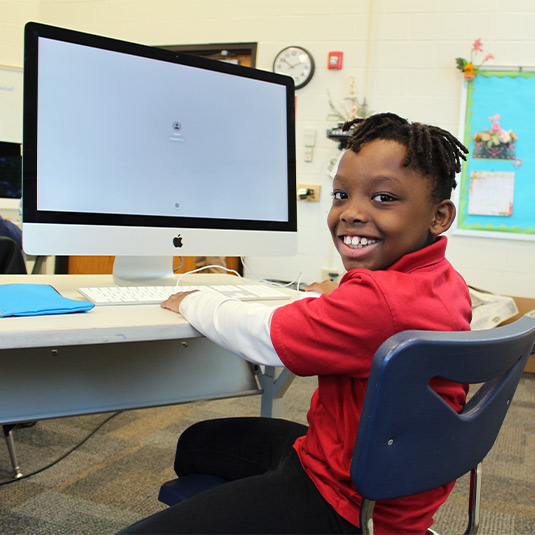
point(242, 328)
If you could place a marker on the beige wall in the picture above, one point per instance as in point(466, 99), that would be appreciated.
point(13, 15)
point(401, 53)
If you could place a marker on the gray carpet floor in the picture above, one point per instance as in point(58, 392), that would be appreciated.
point(112, 480)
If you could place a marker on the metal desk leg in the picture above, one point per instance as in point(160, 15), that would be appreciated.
point(11, 448)
point(274, 387)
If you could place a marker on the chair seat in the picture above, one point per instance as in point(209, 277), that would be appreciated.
point(177, 490)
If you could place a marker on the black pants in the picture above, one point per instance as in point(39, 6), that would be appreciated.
point(269, 491)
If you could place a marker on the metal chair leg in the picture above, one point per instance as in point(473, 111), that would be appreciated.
point(366, 516)
point(474, 500)
point(11, 448)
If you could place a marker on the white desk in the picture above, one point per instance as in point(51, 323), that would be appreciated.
point(118, 357)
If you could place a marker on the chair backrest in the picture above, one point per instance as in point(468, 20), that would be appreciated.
point(11, 257)
point(410, 440)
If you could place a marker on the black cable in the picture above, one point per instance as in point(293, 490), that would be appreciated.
point(8, 481)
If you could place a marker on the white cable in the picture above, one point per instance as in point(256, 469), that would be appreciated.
point(265, 281)
point(206, 267)
point(181, 264)
point(259, 278)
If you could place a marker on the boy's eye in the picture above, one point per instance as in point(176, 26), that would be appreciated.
point(383, 197)
point(339, 195)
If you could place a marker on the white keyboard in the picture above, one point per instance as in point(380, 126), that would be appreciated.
point(149, 295)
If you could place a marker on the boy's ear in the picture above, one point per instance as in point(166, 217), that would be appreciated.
point(444, 215)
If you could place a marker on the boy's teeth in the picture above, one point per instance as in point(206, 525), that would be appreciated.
point(356, 242)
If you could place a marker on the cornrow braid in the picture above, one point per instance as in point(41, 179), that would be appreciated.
point(432, 151)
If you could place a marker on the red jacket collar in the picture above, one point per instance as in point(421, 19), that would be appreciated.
point(427, 256)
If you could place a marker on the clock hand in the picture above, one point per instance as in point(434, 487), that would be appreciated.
point(288, 63)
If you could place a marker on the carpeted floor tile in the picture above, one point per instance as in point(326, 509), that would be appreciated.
point(113, 479)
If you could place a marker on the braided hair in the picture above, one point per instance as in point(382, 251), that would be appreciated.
point(432, 151)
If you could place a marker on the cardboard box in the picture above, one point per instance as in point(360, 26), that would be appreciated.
point(524, 305)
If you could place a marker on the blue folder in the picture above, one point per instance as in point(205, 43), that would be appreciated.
point(37, 300)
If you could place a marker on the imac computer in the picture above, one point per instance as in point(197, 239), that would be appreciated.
point(145, 154)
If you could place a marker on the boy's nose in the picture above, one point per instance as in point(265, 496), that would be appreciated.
point(354, 213)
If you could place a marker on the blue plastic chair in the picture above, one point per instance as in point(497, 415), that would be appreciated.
point(409, 440)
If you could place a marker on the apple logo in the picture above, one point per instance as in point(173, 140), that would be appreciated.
point(177, 241)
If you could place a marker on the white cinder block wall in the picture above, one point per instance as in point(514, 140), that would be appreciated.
point(400, 52)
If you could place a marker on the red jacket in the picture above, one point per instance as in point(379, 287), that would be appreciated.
point(335, 338)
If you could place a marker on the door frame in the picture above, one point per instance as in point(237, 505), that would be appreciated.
point(225, 50)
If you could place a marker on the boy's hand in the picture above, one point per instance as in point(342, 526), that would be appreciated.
point(325, 287)
point(173, 302)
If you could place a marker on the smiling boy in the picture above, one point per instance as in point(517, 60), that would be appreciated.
point(385, 214)
point(391, 202)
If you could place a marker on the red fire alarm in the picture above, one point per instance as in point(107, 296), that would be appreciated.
point(335, 60)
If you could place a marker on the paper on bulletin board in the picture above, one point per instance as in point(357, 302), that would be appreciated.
point(491, 193)
point(11, 82)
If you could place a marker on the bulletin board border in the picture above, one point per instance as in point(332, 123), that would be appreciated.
point(465, 128)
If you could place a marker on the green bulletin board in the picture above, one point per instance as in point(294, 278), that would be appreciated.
point(496, 194)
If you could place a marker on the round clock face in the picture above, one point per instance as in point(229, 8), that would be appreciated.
point(296, 62)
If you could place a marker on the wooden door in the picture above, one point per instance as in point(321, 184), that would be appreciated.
point(103, 265)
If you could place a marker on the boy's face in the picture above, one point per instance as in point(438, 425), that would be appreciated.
point(381, 210)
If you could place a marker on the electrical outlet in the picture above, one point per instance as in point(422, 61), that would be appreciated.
point(329, 274)
point(309, 192)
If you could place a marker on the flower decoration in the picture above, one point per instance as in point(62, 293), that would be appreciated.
point(350, 107)
point(495, 142)
point(468, 67)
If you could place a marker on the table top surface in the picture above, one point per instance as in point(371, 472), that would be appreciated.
point(102, 324)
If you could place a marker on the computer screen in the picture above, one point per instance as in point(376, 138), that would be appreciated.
point(132, 150)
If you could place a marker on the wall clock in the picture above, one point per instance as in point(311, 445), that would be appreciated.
point(296, 62)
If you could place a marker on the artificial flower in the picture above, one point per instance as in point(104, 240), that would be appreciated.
point(495, 135)
point(468, 67)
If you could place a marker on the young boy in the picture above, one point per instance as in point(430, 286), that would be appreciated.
point(391, 201)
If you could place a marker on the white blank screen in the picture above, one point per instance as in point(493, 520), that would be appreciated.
point(123, 134)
